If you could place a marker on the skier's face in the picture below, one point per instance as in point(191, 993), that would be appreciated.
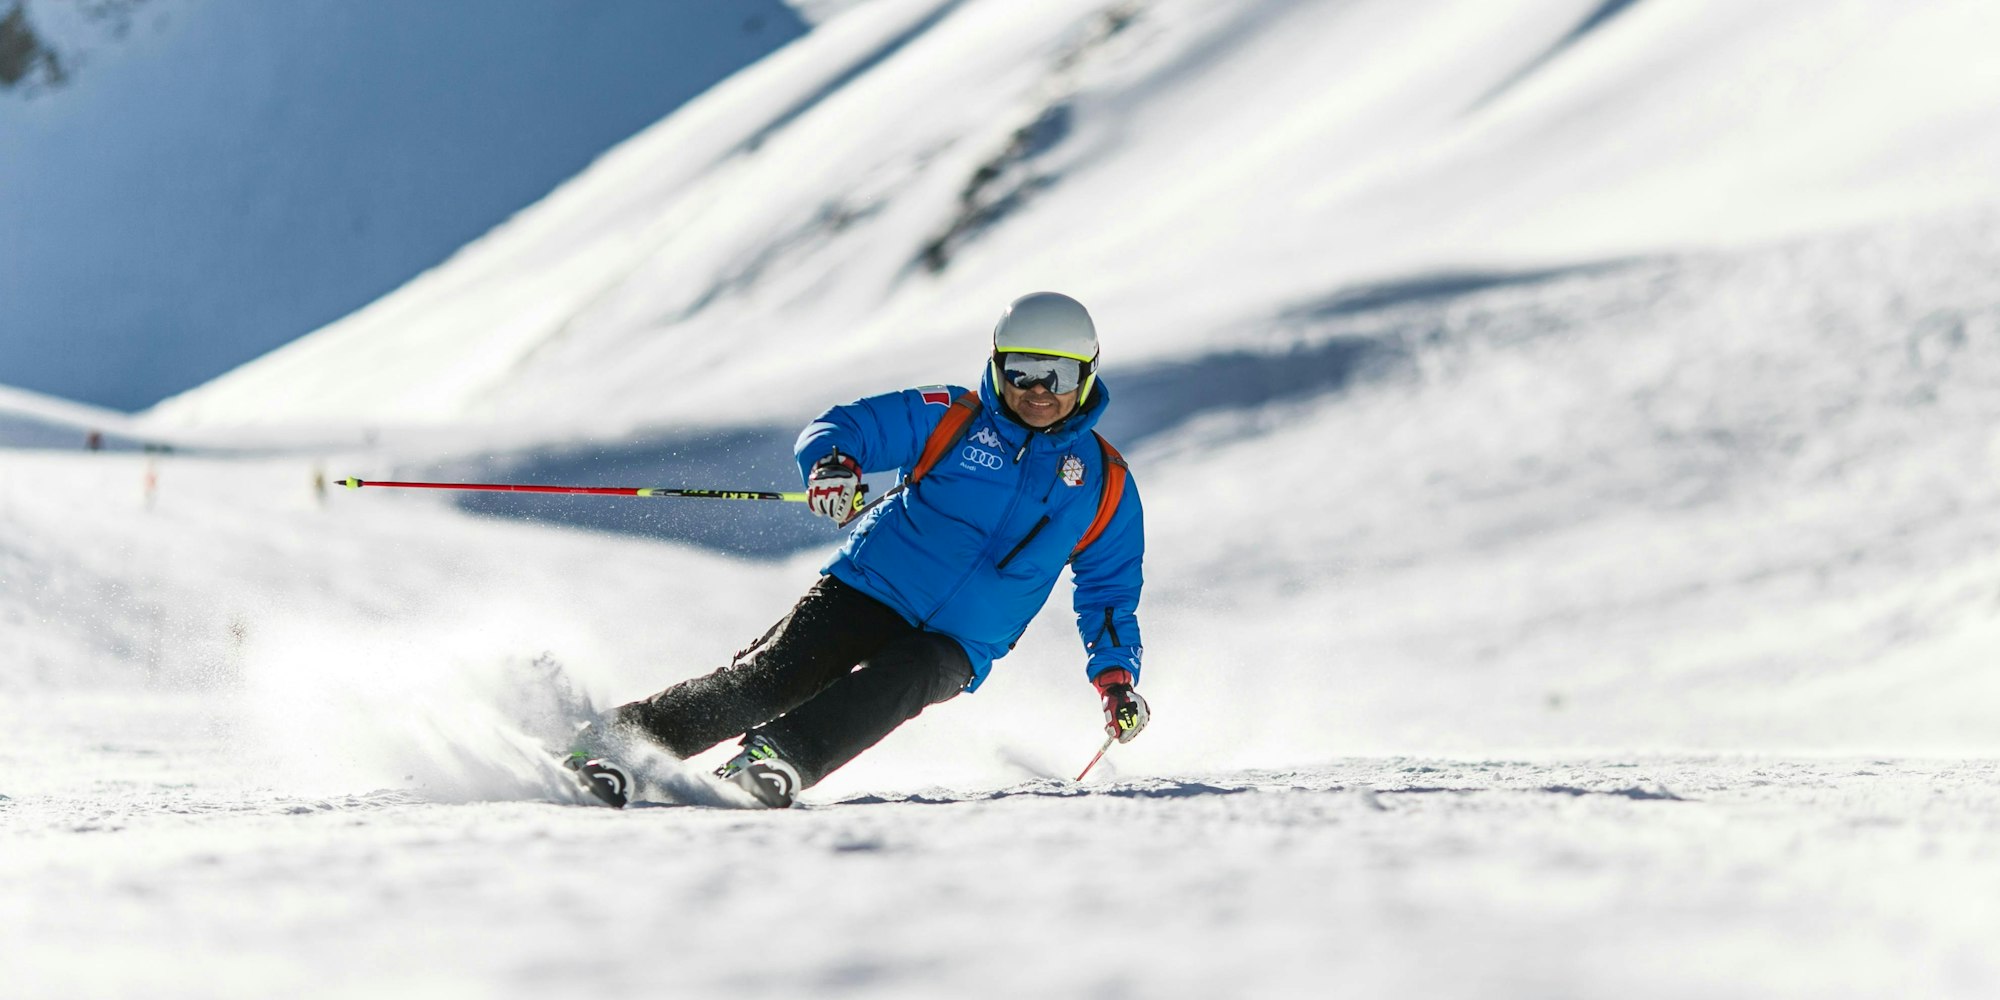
point(1037, 406)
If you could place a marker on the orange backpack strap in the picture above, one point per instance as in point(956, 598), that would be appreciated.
point(951, 429)
point(945, 436)
point(1110, 491)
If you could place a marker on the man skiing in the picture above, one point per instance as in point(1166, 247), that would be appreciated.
point(1001, 489)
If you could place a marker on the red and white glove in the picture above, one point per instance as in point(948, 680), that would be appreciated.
point(833, 486)
point(1125, 713)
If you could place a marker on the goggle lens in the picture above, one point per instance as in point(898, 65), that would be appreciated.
point(1058, 375)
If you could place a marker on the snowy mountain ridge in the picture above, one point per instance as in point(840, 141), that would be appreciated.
point(1194, 170)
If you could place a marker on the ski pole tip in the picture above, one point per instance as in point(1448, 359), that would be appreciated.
point(350, 482)
point(1100, 756)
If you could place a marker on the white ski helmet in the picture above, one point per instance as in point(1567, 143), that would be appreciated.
point(1048, 323)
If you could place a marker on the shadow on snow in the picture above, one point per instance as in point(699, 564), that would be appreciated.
point(1161, 788)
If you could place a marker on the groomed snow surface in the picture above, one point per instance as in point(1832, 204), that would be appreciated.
point(148, 869)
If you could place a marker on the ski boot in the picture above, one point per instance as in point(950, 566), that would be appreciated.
point(761, 772)
point(590, 757)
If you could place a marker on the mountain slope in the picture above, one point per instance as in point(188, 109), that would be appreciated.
point(1194, 170)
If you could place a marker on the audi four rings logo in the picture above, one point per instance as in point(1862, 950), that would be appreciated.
point(984, 458)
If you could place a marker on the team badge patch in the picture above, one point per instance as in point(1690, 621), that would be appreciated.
point(1072, 471)
point(935, 395)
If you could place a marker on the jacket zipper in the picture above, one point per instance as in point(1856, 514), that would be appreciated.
point(1023, 543)
point(1014, 504)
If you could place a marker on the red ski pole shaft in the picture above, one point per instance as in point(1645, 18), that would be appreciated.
point(1108, 740)
point(607, 491)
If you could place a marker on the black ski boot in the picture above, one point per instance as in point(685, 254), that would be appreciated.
point(590, 757)
point(606, 779)
point(761, 772)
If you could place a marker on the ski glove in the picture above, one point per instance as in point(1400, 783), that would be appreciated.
point(1125, 713)
point(831, 488)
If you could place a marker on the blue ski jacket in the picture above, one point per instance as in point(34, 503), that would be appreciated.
point(973, 550)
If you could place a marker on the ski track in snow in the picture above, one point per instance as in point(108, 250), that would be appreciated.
point(1656, 876)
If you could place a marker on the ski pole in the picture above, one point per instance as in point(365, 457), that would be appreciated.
point(1108, 740)
point(605, 491)
point(355, 483)
point(870, 505)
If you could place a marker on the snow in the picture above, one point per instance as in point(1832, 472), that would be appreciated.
point(31, 419)
point(1652, 876)
point(1190, 169)
point(822, 11)
point(1569, 470)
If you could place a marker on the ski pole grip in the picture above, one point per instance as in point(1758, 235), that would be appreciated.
point(863, 508)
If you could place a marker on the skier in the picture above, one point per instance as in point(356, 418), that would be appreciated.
point(937, 580)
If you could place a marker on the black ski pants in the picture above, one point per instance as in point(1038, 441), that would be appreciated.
point(828, 681)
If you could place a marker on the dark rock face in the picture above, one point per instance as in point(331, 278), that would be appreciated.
point(31, 62)
point(25, 61)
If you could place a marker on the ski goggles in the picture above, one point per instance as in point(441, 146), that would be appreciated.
point(1058, 375)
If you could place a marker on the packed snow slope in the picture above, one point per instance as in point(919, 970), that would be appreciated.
point(186, 185)
point(152, 869)
point(851, 211)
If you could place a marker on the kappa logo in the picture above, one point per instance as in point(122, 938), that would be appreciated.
point(975, 457)
point(1072, 471)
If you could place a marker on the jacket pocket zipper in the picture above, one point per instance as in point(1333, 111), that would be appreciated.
point(1023, 543)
